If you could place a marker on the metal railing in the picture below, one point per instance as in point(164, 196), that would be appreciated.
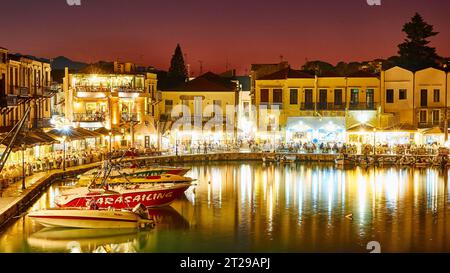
point(89, 117)
point(130, 117)
point(9, 101)
point(363, 106)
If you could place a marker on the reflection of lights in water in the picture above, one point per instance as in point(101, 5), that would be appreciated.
point(287, 188)
point(300, 199)
point(432, 190)
point(277, 186)
point(270, 210)
point(362, 198)
point(391, 187)
point(246, 186)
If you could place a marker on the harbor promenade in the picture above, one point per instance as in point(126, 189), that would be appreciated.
point(14, 200)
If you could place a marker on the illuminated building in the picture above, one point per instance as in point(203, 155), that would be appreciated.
point(24, 82)
point(116, 97)
point(200, 110)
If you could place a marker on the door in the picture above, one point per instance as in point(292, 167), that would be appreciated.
point(370, 100)
point(323, 99)
point(309, 99)
point(424, 98)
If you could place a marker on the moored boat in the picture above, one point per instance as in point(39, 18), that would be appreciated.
point(156, 179)
point(87, 177)
point(89, 219)
point(123, 196)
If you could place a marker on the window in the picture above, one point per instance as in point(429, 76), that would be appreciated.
point(435, 116)
point(168, 106)
point(277, 96)
point(370, 98)
point(264, 95)
point(354, 98)
point(390, 96)
point(423, 116)
point(294, 96)
point(337, 96)
point(437, 94)
point(402, 94)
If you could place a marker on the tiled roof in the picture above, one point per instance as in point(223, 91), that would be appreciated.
point(207, 82)
point(287, 73)
point(362, 74)
point(330, 74)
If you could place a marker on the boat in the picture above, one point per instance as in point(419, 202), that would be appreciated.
point(268, 159)
point(82, 239)
point(87, 177)
point(123, 196)
point(344, 160)
point(288, 159)
point(154, 179)
point(90, 219)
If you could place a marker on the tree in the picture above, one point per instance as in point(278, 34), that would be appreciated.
point(415, 54)
point(177, 72)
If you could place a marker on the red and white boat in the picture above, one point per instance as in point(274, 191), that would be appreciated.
point(122, 197)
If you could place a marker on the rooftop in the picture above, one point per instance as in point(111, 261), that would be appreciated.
point(287, 73)
point(207, 82)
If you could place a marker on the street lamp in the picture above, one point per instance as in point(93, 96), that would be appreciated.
point(176, 142)
point(23, 167)
point(374, 141)
point(272, 122)
point(110, 143)
point(64, 153)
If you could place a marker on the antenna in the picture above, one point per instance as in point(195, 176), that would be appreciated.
point(201, 67)
point(281, 58)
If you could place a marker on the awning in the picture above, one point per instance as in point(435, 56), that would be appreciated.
point(87, 133)
point(105, 132)
point(433, 131)
point(43, 135)
point(70, 133)
point(361, 128)
point(401, 128)
point(27, 139)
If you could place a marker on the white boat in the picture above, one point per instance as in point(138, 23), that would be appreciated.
point(91, 219)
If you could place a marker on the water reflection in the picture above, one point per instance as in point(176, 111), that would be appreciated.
point(277, 208)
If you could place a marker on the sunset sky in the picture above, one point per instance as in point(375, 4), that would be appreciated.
point(242, 32)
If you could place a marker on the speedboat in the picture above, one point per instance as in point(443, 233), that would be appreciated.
point(87, 177)
point(154, 179)
point(89, 219)
point(123, 196)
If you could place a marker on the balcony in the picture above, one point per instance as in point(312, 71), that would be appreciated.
point(9, 101)
point(130, 117)
point(330, 107)
point(362, 106)
point(307, 106)
point(24, 91)
point(41, 123)
point(430, 124)
point(89, 117)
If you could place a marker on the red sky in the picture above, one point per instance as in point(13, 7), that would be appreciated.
point(242, 32)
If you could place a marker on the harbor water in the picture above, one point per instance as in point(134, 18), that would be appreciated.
point(251, 207)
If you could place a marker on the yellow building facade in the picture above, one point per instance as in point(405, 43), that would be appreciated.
point(122, 101)
point(201, 110)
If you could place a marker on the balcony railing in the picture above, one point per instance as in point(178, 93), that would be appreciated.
point(307, 106)
point(9, 101)
point(24, 91)
point(330, 107)
point(124, 89)
point(363, 106)
point(430, 124)
point(41, 123)
point(89, 117)
point(130, 117)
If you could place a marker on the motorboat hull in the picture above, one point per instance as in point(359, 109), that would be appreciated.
point(126, 198)
point(88, 219)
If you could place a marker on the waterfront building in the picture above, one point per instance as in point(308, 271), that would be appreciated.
point(200, 111)
point(116, 97)
point(25, 82)
point(297, 106)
